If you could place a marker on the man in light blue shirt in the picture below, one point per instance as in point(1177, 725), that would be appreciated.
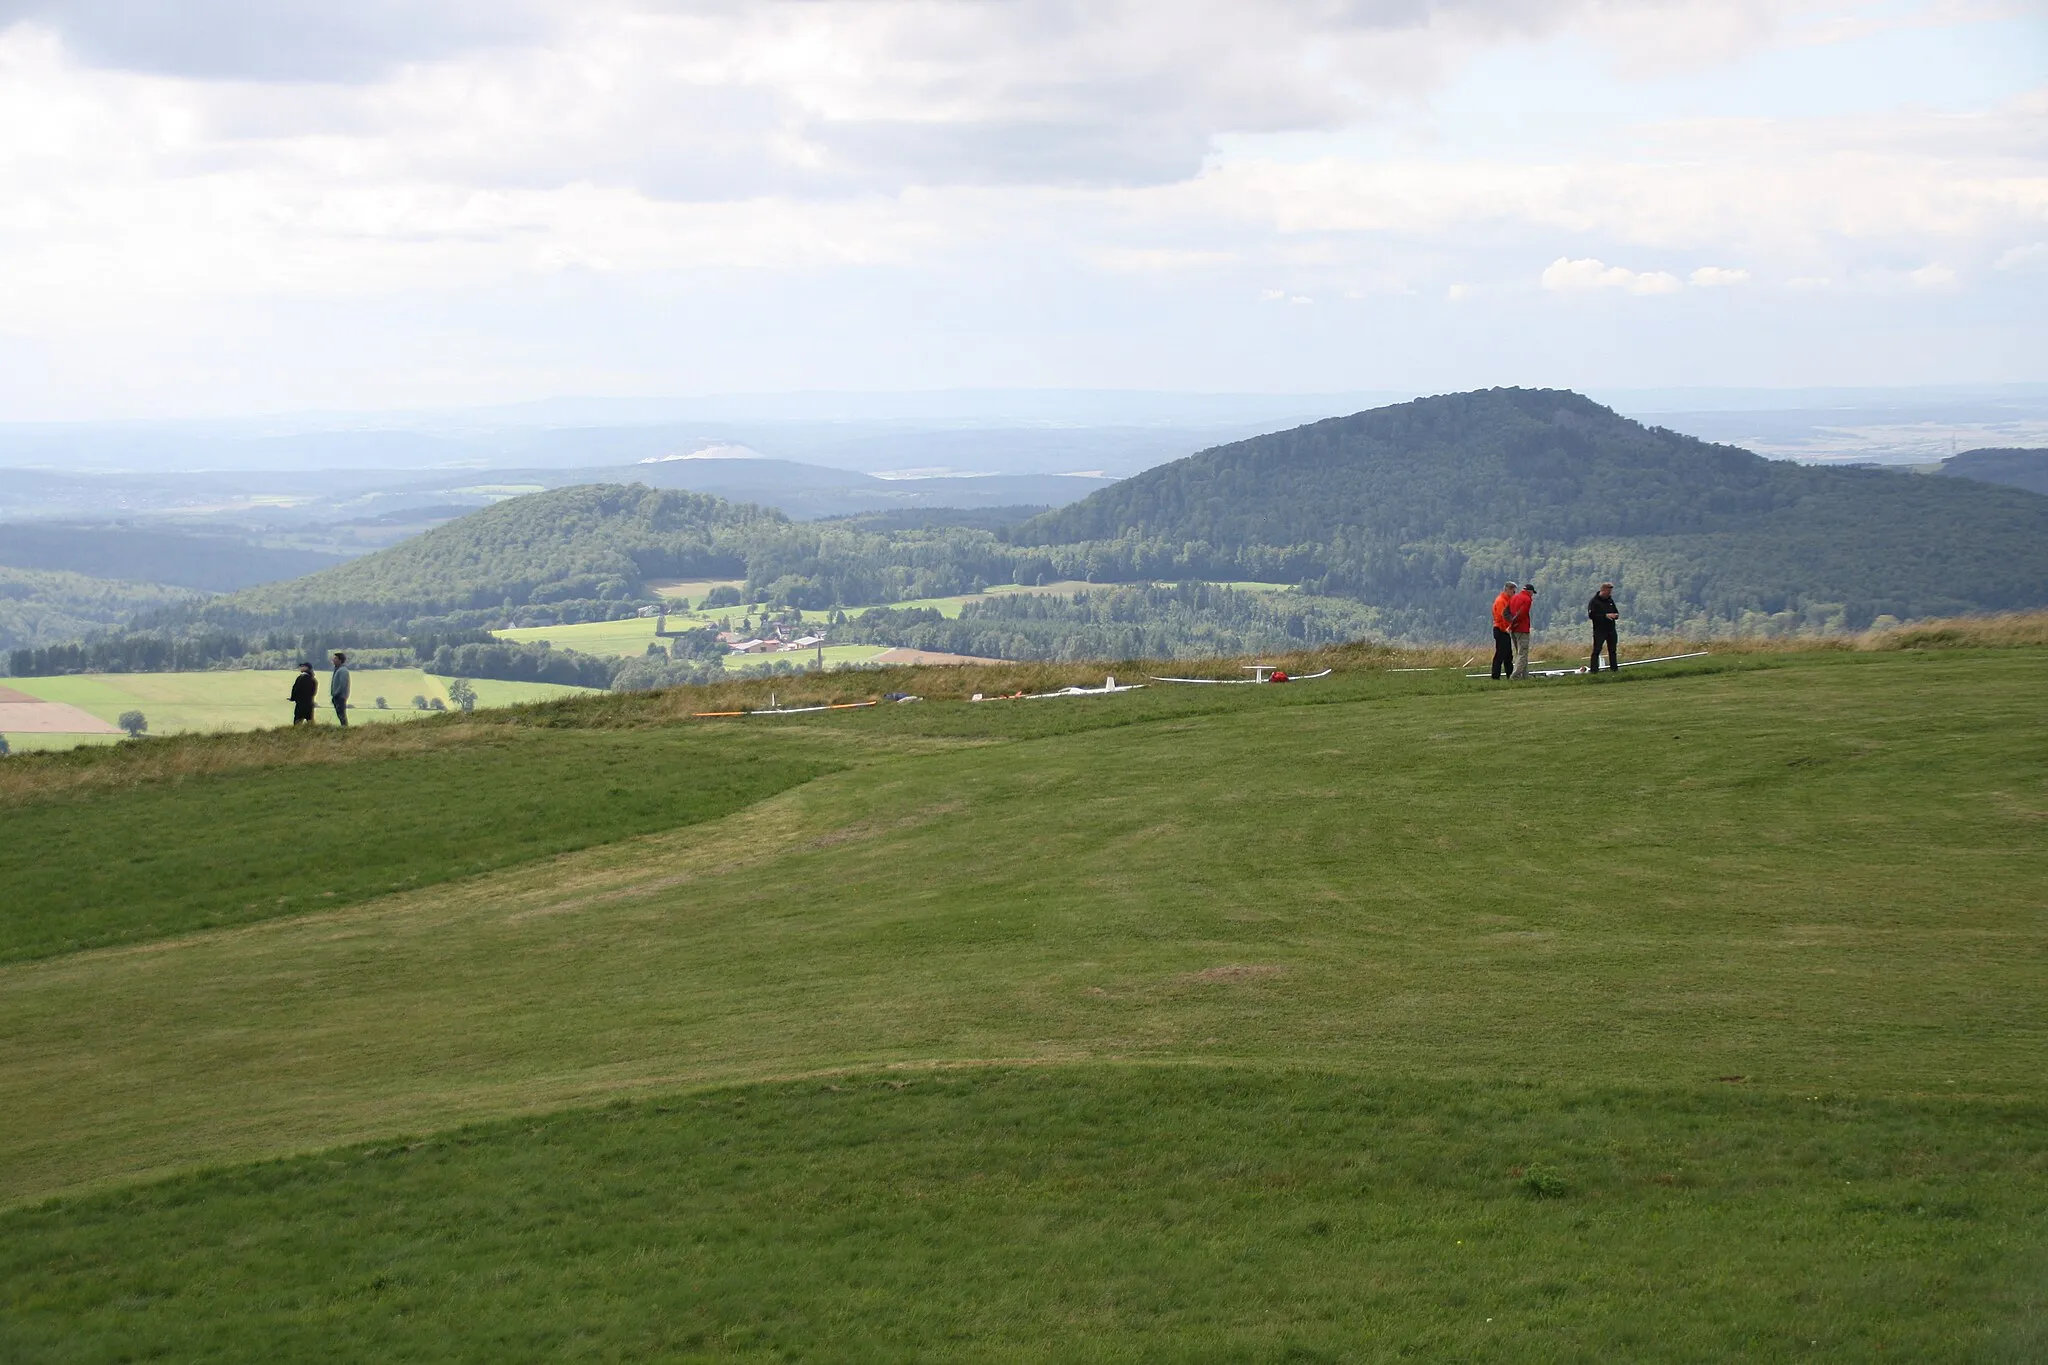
point(337, 688)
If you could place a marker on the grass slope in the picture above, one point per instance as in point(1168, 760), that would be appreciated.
point(86, 871)
point(1748, 956)
point(1087, 1213)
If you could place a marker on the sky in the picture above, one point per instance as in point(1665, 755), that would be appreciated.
point(214, 207)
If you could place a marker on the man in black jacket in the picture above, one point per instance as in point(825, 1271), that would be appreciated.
point(303, 688)
point(1602, 612)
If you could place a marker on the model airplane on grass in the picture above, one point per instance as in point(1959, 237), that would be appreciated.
point(773, 710)
point(1109, 685)
point(1574, 672)
point(1260, 673)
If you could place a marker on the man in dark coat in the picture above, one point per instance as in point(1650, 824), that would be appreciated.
point(1602, 612)
point(303, 688)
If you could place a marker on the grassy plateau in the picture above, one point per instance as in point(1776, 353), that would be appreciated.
point(1693, 1013)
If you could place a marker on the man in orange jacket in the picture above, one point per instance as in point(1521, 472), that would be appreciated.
point(1519, 608)
point(1503, 643)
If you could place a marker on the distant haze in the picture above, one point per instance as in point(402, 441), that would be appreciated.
point(968, 432)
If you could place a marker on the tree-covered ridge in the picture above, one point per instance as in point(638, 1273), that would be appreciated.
point(1423, 508)
point(2015, 466)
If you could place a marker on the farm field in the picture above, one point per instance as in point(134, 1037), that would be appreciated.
point(626, 639)
point(692, 589)
point(1694, 1013)
point(249, 699)
point(630, 638)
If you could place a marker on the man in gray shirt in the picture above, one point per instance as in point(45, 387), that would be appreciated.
point(337, 688)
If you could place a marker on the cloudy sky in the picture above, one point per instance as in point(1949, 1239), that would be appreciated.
point(222, 206)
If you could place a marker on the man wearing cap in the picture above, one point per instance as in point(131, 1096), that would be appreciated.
point(1503, 643)
point(1602, 612)
point(1519, 607)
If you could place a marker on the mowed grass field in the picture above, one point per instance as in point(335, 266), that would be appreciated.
point(1692, 1014)
point(249, 699)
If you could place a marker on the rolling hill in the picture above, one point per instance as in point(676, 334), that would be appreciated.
point(2016, 467)
point(1423, 508)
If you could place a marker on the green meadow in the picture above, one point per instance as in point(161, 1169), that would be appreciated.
point(249, 699)
point(1691, 1014)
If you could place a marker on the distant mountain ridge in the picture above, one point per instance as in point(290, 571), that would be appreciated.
point(181, 559)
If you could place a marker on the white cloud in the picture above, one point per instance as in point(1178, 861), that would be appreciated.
point(1567, 276)
point(1932, 276)
point(2028, 257)
point(156, 166)
point(1716, 277)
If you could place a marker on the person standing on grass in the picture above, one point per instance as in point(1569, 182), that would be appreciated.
point(1602, 612)
point(1519, 607)
point(337, 689)
point(304, 687)
point(1503, 643)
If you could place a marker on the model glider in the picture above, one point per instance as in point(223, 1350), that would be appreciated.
point(1574, 672)
point(1261, 673)
point(1109, 685)
point(773, 710)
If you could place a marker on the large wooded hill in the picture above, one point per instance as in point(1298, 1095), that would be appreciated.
point(1423, 508)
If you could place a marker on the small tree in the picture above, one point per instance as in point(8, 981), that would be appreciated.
point(419, 703)
point(134, 722)
point(436, 704)
point(4, 750)
point(463, 693)
point(383, 705)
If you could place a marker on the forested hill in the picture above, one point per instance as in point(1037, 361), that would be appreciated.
point(2019, 467)
point(593, 541)
point(1423, 507)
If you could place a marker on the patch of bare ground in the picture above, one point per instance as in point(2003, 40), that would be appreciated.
point(1235, 972)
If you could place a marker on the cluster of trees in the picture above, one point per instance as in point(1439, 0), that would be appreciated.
point(1187, 620)
point(522, 662)
point(453, 654)
point(47, 606)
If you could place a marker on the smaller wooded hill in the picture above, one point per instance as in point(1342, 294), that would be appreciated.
point(134, 554)
point(593, 541)
point(1423, 508)
point(2014, 466)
